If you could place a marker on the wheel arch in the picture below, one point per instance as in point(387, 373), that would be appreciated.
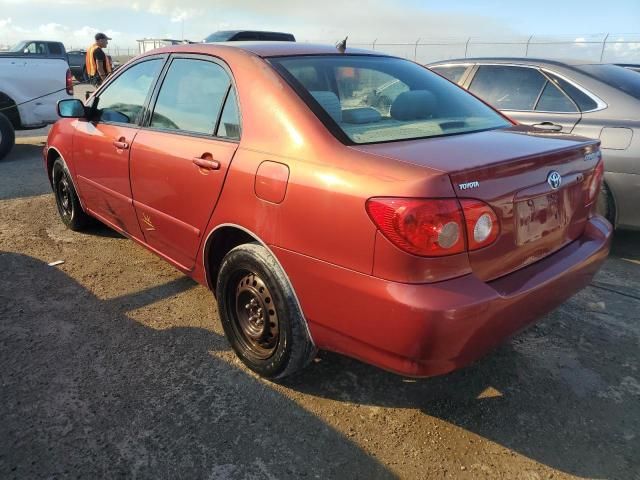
point(9, 109)
point(225, 237)
point(52, 155)
point(221, 240)
point(612, 201)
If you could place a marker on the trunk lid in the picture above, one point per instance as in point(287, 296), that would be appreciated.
point(509, 169)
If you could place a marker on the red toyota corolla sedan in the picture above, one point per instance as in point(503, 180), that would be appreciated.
point(413, 235)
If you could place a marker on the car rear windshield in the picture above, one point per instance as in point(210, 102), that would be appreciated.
point(615, 76)
point(372, 99)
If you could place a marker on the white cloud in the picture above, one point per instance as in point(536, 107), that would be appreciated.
point(180, 15)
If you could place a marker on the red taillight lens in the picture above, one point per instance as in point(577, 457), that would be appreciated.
point(426, 227)
point(69, 82)
point(435, 227)
point(596, 182)
point(482, 223)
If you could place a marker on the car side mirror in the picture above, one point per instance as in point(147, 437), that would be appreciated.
point(71, 108)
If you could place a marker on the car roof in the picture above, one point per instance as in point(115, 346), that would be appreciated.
point(40, 41)
point(251, 31)
point(520, 60)
point(264, 49)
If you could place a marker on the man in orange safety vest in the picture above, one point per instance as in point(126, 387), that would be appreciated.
point(97, 62)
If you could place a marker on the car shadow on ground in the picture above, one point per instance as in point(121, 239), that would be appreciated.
point(99, 229)
point(88, 392)
point(21, 172)
point(565, 392)
point(626, 243)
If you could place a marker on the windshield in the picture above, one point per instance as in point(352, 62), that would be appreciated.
point(380, 99)
point(618, 77)
point(18, 47)
point(218, 37)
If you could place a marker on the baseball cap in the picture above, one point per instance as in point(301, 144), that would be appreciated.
point(101, 36)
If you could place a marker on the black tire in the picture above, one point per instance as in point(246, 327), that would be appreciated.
point(7, 136)
point(275, 343)
point(69, 208)
point(605, 205)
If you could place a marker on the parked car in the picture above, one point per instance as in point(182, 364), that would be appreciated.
point(631, 66)
point(415, 239)
point(594, 100)
point(30, 87)
point(248, 35)
point(37, 48)
point(78, 64)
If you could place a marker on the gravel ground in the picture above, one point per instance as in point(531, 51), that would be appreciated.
point(113, 364)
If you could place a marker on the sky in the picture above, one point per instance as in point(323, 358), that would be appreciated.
point(76, 21)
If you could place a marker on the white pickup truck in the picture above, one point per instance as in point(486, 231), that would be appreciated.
point(29, 92)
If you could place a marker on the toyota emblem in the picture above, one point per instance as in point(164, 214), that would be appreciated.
point(554, 179)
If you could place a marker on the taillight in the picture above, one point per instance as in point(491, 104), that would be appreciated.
point(596, 182)
point(482, 223)
point(69, 82)
point(426, 227)
point(434, 227)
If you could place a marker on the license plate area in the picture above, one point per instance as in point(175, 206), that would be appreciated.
point(539, 216)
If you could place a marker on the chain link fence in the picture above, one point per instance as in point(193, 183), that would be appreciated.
point(603, 48)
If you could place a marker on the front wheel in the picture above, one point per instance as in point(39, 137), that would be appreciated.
point(67, 200)
point(260, 315)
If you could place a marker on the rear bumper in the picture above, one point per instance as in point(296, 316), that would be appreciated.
point(432, 329)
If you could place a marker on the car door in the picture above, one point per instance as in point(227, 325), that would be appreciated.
point(180, 159)
point(102, 145)
point(526, 95)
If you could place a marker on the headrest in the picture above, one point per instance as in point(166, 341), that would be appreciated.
point(414, 105)
point(361, 115)
point(330, 102)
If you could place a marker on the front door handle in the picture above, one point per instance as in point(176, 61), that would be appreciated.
point(207, 163)
point(121, 144)
point(552, 127)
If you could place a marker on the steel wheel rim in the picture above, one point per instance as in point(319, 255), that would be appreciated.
point(63, 197)
point(255, 316)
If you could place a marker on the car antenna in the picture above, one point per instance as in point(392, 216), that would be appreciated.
point(342, 46)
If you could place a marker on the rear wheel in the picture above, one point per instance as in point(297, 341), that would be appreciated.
point(7, 136)
point(260, 315)
point(606, 205)
point(67, 200)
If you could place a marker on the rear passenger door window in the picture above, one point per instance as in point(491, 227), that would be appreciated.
point(454, 73)
point(191, 97)
point(553, 100)
point(508, 87)
point(55, 49)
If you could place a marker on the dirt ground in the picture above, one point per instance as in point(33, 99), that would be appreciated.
point(113, 364)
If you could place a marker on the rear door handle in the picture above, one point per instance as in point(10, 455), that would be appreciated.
point(121, 144)
point(208, 164)
point(553, 127)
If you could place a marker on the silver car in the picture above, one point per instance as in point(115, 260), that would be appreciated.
point(593, 100)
